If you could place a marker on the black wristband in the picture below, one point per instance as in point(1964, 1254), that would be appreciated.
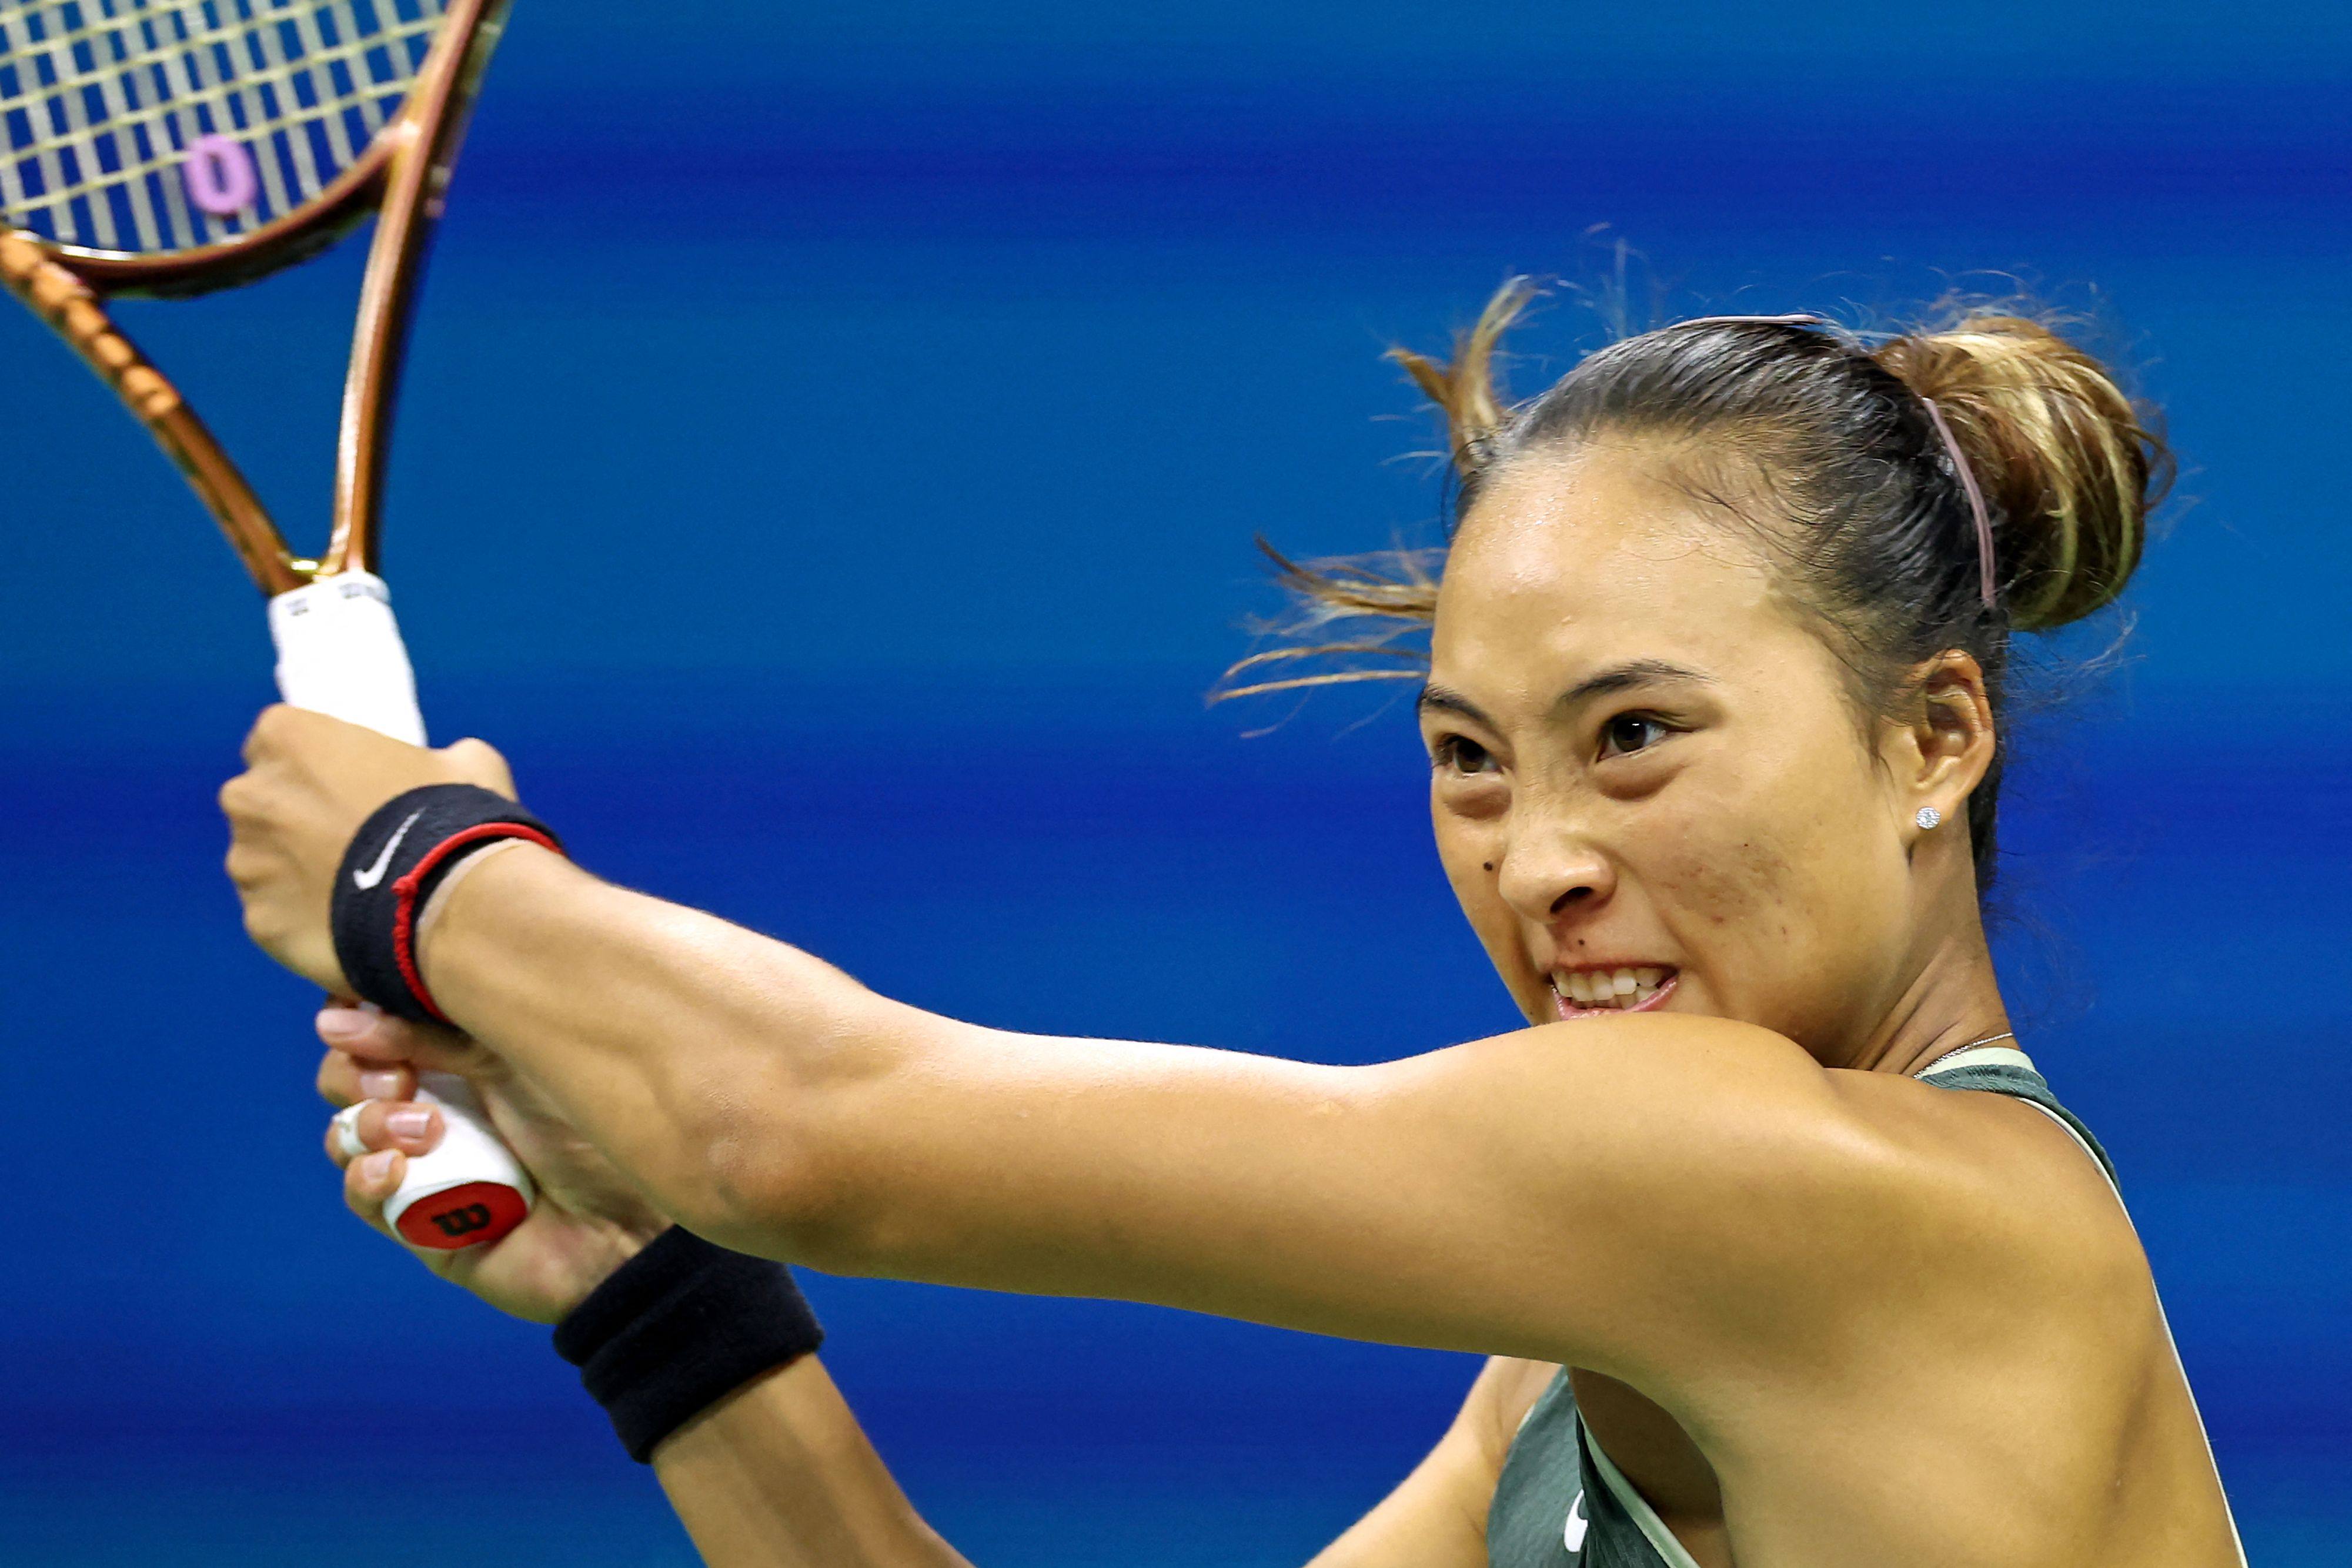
point(679, 1327)
point(394, 861)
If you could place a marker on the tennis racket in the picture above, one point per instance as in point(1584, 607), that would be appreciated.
point(174, 147)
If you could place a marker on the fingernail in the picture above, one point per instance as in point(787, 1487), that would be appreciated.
point(375, 1167)
point(381, 1084)
point(343, 1023)
point(413, 1122)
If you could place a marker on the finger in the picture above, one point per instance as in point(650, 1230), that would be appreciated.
point(374, 1125)
point(369, 1182)
point(268, 726)
point(265, 929)
point(378, 1039)
point(237, 795)
point(343, 1146)
point(251, 865)
point(481, 764)
point(343, 1080)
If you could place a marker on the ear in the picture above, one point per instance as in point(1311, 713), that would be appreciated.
point(1943, 742)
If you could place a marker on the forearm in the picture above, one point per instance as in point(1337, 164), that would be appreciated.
point(697, 1055)
point(768, 1103)
point(779, 1474)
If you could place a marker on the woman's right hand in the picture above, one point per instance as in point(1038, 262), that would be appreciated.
point(589, 1219)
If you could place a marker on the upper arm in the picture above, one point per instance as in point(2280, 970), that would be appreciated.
point(1628, 1196)
point(1437, 1518)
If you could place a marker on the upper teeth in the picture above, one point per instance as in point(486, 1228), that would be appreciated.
point(1609, 987)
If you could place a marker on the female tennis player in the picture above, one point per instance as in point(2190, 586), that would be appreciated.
point(1784, 1252)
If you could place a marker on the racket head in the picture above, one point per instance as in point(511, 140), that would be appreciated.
point(172, 146)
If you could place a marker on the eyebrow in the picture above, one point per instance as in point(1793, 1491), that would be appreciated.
point(1626, 676)
point(1634, 673)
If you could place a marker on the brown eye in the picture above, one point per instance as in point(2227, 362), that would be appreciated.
point(1459, 753)
point(1632, 732)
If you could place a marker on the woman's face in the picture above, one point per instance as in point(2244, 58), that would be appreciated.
point(1650, 789)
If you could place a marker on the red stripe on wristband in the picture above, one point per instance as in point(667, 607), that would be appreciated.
point(404, 918)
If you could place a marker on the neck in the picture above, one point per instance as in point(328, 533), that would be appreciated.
point(1951, 1002)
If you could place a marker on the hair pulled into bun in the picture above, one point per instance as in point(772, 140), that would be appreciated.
point(1874, 527)
point(2071, 466)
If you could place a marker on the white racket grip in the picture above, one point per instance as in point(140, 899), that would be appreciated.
point(340, 653)
point(470, 1188)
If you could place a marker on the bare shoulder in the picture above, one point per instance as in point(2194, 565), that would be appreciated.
point(1809, 1197)
point(1717, 1105)
point(2005, 1250)
point(1704, 1187)
point(1991, 1164)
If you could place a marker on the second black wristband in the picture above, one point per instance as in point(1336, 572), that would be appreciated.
point(678, 1328)
point(396, 859)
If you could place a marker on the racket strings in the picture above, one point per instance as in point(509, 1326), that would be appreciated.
point(102, 100)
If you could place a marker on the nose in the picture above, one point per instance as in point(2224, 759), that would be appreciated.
point(1550, 870)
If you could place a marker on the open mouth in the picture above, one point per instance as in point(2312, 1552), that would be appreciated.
point(1591, 993)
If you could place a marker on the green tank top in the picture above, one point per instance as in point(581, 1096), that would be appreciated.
point(1561, 1504)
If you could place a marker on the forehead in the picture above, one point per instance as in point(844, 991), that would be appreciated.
point(1596, 556)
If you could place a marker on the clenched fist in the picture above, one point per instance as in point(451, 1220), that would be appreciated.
point(310, 782)
point(589, 1219)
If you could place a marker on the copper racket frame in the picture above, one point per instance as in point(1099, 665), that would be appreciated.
point(404, 178)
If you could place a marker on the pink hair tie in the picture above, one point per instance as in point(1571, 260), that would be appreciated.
point(1983, 520)
point(1802, 318)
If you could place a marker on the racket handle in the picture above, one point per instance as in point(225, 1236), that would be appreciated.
point(470, 1189)
point(340, 653)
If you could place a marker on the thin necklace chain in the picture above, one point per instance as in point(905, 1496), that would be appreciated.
point(2005, 1034)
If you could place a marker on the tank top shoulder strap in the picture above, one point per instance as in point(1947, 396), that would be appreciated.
point(2001, 1070)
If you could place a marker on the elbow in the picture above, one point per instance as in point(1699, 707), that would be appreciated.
point(771, 1171)
point(762, 1184)
point(782, 1157)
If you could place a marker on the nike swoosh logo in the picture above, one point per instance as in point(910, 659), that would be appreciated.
point(1571, 1535)
point(368, 878)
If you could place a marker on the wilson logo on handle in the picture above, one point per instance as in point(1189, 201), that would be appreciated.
point(463, 1221)
point(472, 1213)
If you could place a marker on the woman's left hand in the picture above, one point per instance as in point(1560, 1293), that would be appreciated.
point(589, 1219)
point(310, 782)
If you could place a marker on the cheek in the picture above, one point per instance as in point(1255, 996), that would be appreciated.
point(1720, 887)
point(1774, 877)
point(1465, 851)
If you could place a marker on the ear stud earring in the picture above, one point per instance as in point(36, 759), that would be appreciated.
point(1928, 817)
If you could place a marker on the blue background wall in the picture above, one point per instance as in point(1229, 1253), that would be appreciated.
point(831, 452)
